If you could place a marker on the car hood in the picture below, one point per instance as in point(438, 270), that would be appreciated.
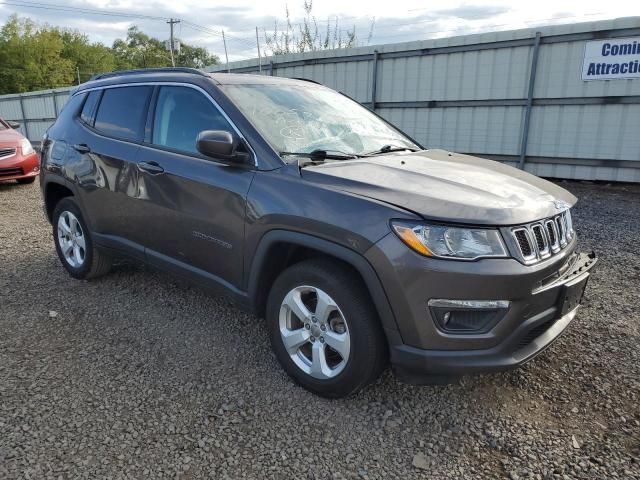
point(9, 138)
point(449, 187)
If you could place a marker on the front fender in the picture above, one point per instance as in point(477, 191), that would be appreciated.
point(351, 257)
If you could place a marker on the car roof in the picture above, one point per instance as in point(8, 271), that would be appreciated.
point(184, 74)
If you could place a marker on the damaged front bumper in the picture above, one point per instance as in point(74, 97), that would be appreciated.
point(529, 337)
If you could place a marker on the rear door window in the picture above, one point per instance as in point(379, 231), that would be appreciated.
point(123, 111)
point(181, 114)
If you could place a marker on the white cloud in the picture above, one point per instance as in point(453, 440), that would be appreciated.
point(395, 21)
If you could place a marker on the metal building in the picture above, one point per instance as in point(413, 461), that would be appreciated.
point(533, 97)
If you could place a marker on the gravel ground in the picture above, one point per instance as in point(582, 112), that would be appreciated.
point(137, 375)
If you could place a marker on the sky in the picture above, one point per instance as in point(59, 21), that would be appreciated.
point(375, 22)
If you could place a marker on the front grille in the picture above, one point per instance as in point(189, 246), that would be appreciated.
point(7, 152)
point(539, 240)
point(10, 172)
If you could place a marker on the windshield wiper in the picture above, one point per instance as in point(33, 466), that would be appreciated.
point(389, 149)
point(319, 155)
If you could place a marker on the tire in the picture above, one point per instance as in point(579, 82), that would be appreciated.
point(88, 262)
point(26, 181)
point(353, 319)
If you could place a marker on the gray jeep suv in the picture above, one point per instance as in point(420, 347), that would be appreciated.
point(357, 245)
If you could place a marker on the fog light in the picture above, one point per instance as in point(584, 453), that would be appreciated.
point(467, 316)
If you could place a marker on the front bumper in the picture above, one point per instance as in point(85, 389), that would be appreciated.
point(19, 166)
point(416, 366)
point(539, 311)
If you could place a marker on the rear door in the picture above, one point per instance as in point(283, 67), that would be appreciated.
point(114, 122)
point(194, 206)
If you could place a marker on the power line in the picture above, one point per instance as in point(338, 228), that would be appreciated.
point(66, 8)
point(90, 11)
point(218, 33)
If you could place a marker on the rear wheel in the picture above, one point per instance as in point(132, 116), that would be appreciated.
point(324, 330)
point(25, 181)
point(74, 244)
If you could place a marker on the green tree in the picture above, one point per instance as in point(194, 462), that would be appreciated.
point(31, 58)
point(35, 57)
point(88, 58)
point(139, 50)
point(195, 57)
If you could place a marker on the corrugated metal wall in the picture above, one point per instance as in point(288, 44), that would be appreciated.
point(468, 94)
point(34, 110)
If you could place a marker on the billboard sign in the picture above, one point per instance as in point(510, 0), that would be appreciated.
point(611, 59)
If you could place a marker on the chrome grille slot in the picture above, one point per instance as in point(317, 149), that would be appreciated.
point(561, 232)
point(552, 234)
point(541, 239)
point(568, 224)
point(524, 242)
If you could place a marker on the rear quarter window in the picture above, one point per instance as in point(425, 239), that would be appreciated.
point(89, 108)
point(123, 111)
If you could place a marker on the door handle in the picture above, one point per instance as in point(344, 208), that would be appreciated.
point(82, 148)
point(153, 168)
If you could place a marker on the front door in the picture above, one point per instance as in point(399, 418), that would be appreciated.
point(194, 207)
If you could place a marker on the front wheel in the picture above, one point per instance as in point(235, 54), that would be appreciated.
point(324, 331)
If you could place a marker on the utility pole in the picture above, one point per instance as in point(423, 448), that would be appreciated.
point(78, 73)
point(224, 41)
point(171, 23)
point(259, 57)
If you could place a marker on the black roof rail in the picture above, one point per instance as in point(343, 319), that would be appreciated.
point(137, 71)
point(307, 80)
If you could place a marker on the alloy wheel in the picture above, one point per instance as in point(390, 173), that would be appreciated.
point(71, 239)
point(314, 332)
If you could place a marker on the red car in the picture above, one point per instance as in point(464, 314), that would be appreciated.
point(18, 160)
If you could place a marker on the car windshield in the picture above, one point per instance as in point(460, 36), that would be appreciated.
point(311, 118)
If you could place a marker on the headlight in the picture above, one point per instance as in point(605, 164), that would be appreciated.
point(25, 146)
point(451, 242)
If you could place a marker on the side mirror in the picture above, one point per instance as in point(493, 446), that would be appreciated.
point(222, 145)
point(14, 125)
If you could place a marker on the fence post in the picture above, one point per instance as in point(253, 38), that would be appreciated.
point(24, 117)
point(527, 111)
point(271, 68)
point(374, 80)
point(55, 103)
